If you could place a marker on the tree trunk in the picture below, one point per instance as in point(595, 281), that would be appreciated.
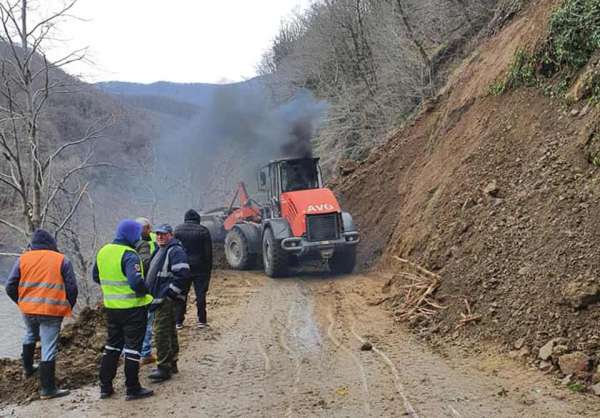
point(410, 33)
point(35, 212)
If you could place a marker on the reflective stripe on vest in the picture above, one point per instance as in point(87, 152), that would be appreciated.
point(115, 287)
point(41, 285)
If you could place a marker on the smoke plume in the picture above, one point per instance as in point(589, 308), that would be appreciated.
point(202, 160)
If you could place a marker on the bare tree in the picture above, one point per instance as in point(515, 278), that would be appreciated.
point(374, 61)
point(35, 167)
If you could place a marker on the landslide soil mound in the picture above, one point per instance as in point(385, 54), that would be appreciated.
point(495, 194)
point(80, 349)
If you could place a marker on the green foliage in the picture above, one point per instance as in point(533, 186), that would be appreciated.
point(574, 34)
point(592, 147)
point(574, 37)
point(576, 387)
point(520, 74)
point(595, 159)
point(595, 90)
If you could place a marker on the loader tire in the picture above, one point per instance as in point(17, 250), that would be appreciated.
point(343, 261)
point(237, 251)
point(275, 259)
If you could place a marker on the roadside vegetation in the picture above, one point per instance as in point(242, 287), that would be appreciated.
point(566, 65)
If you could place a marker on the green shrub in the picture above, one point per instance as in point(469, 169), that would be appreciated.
point(595, 90)
point(574, 37)
point(576, 387)
point(574, 34)
point(521, 73)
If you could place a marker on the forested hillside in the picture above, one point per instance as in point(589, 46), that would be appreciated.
point(92, 152)
point(374, 62)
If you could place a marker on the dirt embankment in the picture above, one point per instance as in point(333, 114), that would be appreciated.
point(80, 349)
point(495, 195)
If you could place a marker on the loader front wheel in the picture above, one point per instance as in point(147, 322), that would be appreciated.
point(237, 251)
point(275, 259)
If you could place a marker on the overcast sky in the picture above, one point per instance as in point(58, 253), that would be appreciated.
point(176, 40)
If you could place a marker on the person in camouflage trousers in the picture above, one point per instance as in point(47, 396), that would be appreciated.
point(168, 277)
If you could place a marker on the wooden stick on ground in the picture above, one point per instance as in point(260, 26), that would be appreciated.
point(468, 317)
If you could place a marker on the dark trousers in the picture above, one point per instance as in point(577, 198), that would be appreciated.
point(165, 335)
point(201, 284)
point(126, 330)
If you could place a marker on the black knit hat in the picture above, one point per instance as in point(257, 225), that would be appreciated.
point(192, 216)
point(42, 239)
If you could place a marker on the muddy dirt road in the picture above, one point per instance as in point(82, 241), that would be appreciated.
point(292, 348)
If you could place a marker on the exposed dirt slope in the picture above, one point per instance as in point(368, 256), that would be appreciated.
point(494, 194)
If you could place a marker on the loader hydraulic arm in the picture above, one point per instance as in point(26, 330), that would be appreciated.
point(249, 210)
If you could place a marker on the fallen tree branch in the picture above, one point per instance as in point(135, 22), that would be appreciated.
point(467, 317)
point(417, 267)
point(417, 300)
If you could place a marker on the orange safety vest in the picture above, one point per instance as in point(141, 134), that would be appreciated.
point(41, 286)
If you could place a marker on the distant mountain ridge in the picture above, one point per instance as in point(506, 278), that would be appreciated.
point(198, 94)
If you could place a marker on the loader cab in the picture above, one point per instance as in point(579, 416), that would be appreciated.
point(289, 175)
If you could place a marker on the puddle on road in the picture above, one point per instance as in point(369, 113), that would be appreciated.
point(12, 327)
point(303, 328)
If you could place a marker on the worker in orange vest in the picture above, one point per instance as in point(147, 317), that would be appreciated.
point(43, 284)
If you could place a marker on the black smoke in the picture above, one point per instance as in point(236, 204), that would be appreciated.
point(239, 131)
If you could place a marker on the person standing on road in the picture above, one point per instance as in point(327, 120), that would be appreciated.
point(119, 271)
point(168, 276)
point(145, 247)
point(42, 283)
point(196, 240)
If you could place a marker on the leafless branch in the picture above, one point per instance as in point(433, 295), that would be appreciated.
point(92, 133)
point(85, 165)
point(14, 227)
point(10, 254)
point(67, 218)
point(61, 13)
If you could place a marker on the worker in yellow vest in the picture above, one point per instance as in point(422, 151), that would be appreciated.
point(119, 271)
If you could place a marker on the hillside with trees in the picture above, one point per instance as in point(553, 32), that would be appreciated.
point(374, 62)
point(462, 135)
point(64, 146)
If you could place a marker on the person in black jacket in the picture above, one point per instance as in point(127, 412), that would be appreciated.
point(196, 240)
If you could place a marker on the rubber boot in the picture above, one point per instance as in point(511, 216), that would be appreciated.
point(48, 382)
point(132, 381)
point(108, 371)
point(160, 374)
point(27, 356)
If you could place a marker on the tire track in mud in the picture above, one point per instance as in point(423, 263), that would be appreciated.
point(346, 313)
point(294, 355)
point(279, 333)
point(355, 359)
point(283, 348)
point(398, 384)
point(352, 307)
